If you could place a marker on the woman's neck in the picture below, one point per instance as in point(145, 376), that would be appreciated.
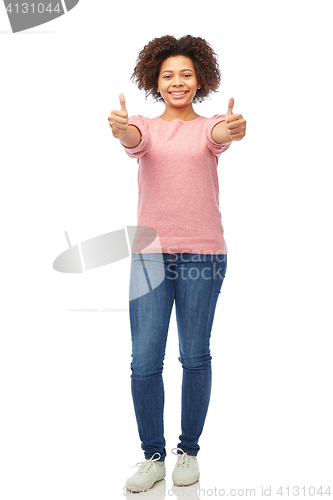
point(185, 114)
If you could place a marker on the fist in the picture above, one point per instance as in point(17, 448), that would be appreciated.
point(118, 119)
point(236, 125)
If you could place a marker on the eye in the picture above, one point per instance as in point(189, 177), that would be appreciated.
point(187, 74)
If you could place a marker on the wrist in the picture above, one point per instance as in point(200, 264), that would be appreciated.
point(220, 133)
point(131, 138)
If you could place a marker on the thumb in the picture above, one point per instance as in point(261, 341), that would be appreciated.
point(230, 106)
point(122, 102)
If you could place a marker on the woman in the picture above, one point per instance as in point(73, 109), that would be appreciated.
point(177, 155)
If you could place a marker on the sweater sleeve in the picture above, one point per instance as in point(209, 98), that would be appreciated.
point(215, 147)
point(144, 145)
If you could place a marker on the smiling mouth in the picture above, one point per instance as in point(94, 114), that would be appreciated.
point(183, 92)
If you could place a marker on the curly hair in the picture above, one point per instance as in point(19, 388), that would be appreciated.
point(151, 57)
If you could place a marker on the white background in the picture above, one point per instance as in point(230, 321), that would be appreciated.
point(67, 422)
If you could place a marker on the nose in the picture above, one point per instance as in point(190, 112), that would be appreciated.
point(177, 82)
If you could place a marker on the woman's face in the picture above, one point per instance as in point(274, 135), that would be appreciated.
point(177, 81)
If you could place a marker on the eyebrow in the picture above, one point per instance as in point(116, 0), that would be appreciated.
point(170, 70)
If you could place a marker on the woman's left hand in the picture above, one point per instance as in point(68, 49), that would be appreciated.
point(236, 125)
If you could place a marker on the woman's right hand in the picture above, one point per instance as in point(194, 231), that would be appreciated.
point(119, 119)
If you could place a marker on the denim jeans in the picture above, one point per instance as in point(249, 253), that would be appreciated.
point(193, 282)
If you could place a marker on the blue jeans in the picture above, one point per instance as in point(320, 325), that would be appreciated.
point(194, 282)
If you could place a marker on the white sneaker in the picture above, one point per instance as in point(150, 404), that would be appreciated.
point(186, 470)
point(149, 472)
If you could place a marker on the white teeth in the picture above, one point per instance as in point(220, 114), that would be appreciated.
point(178, 93)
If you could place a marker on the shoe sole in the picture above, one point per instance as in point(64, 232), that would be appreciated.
point(137, 490)
point(185, 483)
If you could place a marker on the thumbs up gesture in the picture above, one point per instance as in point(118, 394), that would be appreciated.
point(118, 119)
point(235, 124)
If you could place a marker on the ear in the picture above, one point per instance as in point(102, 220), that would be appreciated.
point(199, 86)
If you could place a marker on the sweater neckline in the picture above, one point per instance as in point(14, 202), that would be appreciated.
point(179, 120)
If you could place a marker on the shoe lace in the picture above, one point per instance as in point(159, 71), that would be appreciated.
point(181, 458)
point(147, 464)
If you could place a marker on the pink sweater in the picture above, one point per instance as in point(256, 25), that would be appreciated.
point(178, 184)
